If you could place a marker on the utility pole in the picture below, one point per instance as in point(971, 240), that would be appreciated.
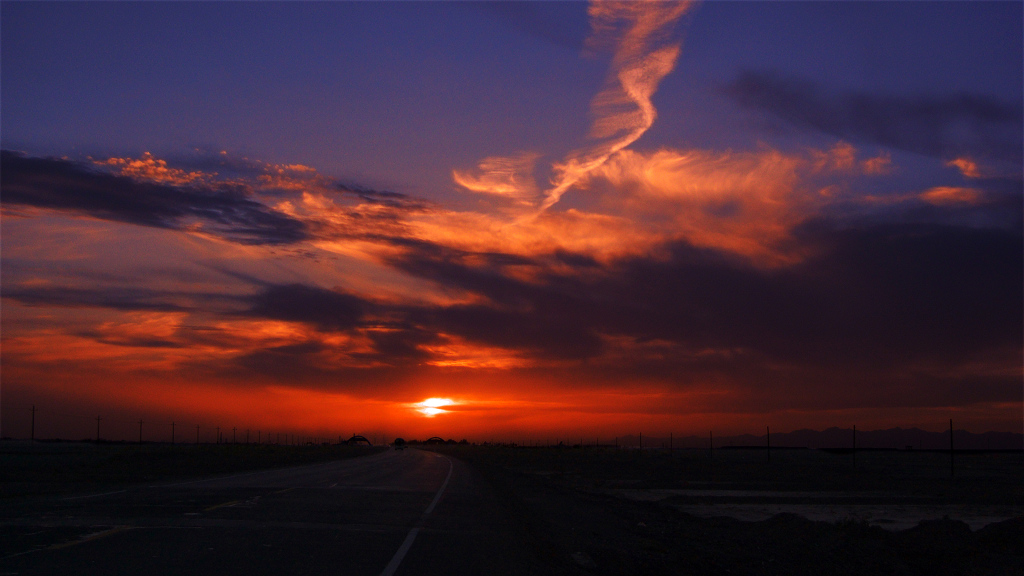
point(218, 434)
point(259, 437)
point(98, 429)
point(769, 436)
point(950, 447)
point(233, 435)
point(669, 441)
point(172, 433)
point(711, 452)
point(247, 436)
point(197, 434)
point(140, 431)
point(32, 436)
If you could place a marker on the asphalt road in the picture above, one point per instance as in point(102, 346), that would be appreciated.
point(405, 512)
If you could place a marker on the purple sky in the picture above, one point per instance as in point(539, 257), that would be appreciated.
point(562, 216)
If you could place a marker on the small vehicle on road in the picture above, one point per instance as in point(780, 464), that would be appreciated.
point(399, 444)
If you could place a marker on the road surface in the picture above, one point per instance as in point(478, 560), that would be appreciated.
point(406, 512)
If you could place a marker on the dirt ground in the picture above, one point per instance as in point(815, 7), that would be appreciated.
point(608, 511)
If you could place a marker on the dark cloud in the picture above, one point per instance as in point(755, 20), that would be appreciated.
point(60, 184)
point(384, 197)
point(291, 363)
point(886, 314)
point(872, 297)
point(877, 295)
point(524, 316)
point(941, 126)
point(326, 309)
point(400, 344)
point(878, 312)
point(131, 342)
point(115, 298)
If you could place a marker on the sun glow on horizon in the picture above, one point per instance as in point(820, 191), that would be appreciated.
point(433, 406)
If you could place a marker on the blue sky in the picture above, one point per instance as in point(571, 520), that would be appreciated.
point(367, 90)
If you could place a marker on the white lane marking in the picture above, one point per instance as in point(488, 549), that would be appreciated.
point(400, 554)
point(396, 560)
point(81, 540)
point(94, 495)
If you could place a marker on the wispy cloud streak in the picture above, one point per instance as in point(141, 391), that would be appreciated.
point(644, 55)
point(644, 52)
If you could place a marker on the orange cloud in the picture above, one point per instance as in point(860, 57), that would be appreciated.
point(967, 167)
point(643, 55)
point(457, 352)
point(742, 202)
point(843, 158)
point(511, 177)
point(155, 169)
point(946, 195)
point(881, 164)
point(746, 203)
point(639, 34)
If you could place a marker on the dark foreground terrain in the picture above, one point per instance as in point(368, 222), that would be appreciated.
point(504, 510)
point(54, 467)
point(612, 511)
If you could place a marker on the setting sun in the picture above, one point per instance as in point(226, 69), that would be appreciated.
point(432, 406)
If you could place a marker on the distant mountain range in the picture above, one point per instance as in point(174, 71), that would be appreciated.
point(893, 438)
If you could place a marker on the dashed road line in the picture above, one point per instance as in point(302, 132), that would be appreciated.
point(396, 560)
point(94, 495)
point(224, 505)
point(82, 540)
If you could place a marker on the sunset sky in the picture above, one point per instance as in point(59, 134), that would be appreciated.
point(551, 218)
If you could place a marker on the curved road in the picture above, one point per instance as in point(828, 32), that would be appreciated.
point(399, 512)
